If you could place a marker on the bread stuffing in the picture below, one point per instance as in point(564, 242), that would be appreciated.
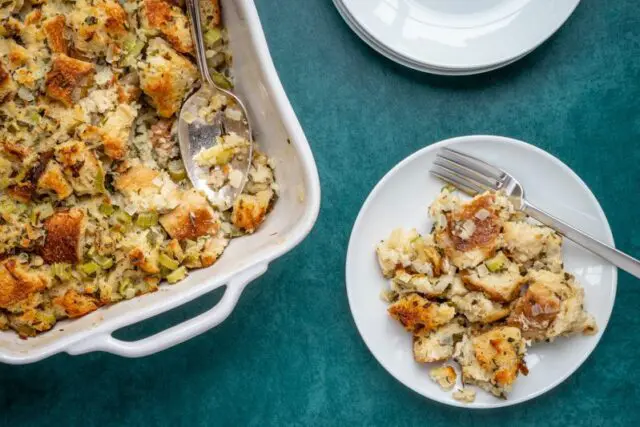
point(465, 395)
point(478, 289)
point(493, 359)
point(95, 204)
point(445, 376)
point(439, 344)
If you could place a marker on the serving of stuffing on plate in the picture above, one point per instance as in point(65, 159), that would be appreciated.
point(485, 284)
point(95, 206)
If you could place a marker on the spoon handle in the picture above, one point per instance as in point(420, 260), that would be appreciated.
point(193, 10)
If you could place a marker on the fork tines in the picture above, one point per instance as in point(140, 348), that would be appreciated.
point(466, 172)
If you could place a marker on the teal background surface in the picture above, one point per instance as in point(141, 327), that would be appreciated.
point(290, 353)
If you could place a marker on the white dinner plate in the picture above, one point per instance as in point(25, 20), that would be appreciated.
point(406, 62)
point(401, 199)
point(458, 34)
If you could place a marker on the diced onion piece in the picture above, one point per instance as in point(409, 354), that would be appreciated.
point(233, 114)
point(482, 214)
point(25, 94)
point(235, 178)
point(482, 270)
point(467, 229)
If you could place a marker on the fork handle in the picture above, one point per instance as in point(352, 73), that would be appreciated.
point(614, 256)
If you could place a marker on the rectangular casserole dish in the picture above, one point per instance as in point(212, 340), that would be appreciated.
point(279, 134)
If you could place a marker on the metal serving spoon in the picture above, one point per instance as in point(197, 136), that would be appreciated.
point(196, 133)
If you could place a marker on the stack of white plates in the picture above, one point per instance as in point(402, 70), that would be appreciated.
point(455, 37)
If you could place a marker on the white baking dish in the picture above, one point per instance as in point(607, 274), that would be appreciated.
point(279, 134)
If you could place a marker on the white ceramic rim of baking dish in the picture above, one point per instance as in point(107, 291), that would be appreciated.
point(99, 338)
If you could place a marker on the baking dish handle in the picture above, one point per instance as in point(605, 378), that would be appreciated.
point(178, 333)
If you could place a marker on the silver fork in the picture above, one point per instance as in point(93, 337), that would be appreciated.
point(474, 176)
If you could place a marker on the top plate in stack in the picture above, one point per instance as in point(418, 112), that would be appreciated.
point(455, 37)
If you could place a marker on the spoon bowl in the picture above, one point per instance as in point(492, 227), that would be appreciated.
point(208, 115)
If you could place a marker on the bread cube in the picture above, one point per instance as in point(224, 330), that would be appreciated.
point(166, 77)
point(420, 316)
point(493, 359)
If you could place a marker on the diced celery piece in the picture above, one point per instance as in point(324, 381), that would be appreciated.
point(224, 157)
point(106, 209)
point(236, 232)
point(216, 155)
point(46, 210)
point(178, 175)
point(46, 318)
point(208, 154)
point(99, 182)
point(147, 219)
point(103, 261)
point(221, 80)
point(25, 331)
point(137, 48)
point(33, 218)
point(168, 262)
point(496, 263)
point(89, 268)
point(129, 43)
point(153, 237)
point(177, 275)
point(123, 286)
point(122, 217)
point(92, 251)
point(132, 47)
point(212, 36)
point(176, 171)
point(61, 270)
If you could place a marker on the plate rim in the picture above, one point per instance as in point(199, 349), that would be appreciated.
point(461, 139)
point(489, 66)
point(411, 64)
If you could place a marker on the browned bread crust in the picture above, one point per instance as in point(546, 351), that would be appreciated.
point(191, 219)
point(420, 316)
point(68, 79)
point(75, 304)
point(16, 283)
point(169, 21)
point(54, 28)
point(65, 234)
